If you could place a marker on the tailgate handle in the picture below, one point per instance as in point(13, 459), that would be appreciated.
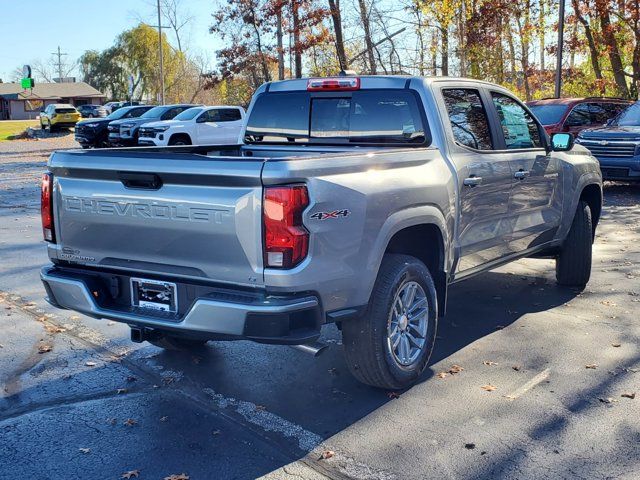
point(144, 181)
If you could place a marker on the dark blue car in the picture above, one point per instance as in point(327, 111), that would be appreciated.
point(617, 145)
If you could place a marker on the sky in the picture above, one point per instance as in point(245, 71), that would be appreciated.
point(33, 30)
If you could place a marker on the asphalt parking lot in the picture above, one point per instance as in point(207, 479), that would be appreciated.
point(528, 380)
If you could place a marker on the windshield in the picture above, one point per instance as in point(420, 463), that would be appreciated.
point(365, 116)
point(189, 113)
point(155, 112)
point(630, 117)
point(548, 114)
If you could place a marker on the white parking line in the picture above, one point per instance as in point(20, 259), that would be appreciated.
point(539, 378)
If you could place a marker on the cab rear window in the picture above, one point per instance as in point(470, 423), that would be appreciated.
point(362, 117)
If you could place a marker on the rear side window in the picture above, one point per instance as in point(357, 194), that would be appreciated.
point(580, 116)
point(518, 126)
point(468, 118)
point(227, 115)
point(65, 110)
point(366, 117)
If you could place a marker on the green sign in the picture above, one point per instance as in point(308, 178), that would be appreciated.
point(27, 83)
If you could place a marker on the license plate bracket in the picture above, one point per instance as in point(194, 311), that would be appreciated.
point(155, 295)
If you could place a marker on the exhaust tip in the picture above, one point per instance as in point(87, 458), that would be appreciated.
point(314, 349)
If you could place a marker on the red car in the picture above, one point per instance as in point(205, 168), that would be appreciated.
point(575, 114)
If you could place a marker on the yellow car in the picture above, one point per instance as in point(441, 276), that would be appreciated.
point(58, 115)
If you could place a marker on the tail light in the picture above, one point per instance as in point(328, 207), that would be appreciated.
point(46, 207)
point(286, 241)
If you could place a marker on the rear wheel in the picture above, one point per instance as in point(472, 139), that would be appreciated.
point(170, 342)
point(573, 265)
point(389, 346)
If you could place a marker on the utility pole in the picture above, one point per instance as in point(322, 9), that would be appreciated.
point(59, 54)
point(160, 54)
point(558, 90)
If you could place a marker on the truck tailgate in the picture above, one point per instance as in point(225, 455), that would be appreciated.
point(176, 214)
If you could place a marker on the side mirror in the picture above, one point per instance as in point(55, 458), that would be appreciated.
point(561, 142)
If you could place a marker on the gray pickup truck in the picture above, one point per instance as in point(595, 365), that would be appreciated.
point(353, 200)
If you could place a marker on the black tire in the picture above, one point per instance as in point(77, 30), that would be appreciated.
point(573, 264)
point(169, 342)
point(180, 140)
point(368, 349)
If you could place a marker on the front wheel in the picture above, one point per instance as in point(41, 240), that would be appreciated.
point(573, 265)
point(389, 346)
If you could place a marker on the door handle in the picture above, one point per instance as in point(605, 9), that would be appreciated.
point(521, 174)
point(472, 181)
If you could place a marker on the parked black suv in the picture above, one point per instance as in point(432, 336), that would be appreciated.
point(94, 132)
point(92, 111)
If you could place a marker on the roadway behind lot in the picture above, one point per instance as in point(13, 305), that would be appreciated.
point(539, 394)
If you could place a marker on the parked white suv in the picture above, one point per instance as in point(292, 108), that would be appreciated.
point(196, 126)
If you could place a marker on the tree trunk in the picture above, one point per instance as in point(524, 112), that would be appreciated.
point(297, 54)
point(542, 31)
point(602, 7)
point(434, 53)
point(336, 17)
point(593, 51)
point(364, 17)
point(512, 54)
point(280, 45)
point(524, 56)
point(445, 51)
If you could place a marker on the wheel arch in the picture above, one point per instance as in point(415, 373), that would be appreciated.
point(178, 135)
point(592, 194)
point(427, 242)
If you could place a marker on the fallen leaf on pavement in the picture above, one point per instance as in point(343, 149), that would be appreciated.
point(393, 395)
point(129, 422)
point(131, 474)
point(607, 400)
point(629, 395)
point(42, 348)
point(469, 446)
point(90, 364)
point(615, 345)
point(442, 375)
point(327, 454)
point(164, 419)
point(489, 388)
point(455, 369)
point(180, 476)
point(592, 366)
point(489, 363)
point(120, 391)
point(84, 450)
point(516, 368)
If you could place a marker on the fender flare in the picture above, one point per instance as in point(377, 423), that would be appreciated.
point(586, 179)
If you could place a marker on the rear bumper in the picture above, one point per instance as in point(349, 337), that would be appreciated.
point(217, 314)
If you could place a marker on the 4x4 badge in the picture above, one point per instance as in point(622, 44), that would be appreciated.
point(327, 215)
